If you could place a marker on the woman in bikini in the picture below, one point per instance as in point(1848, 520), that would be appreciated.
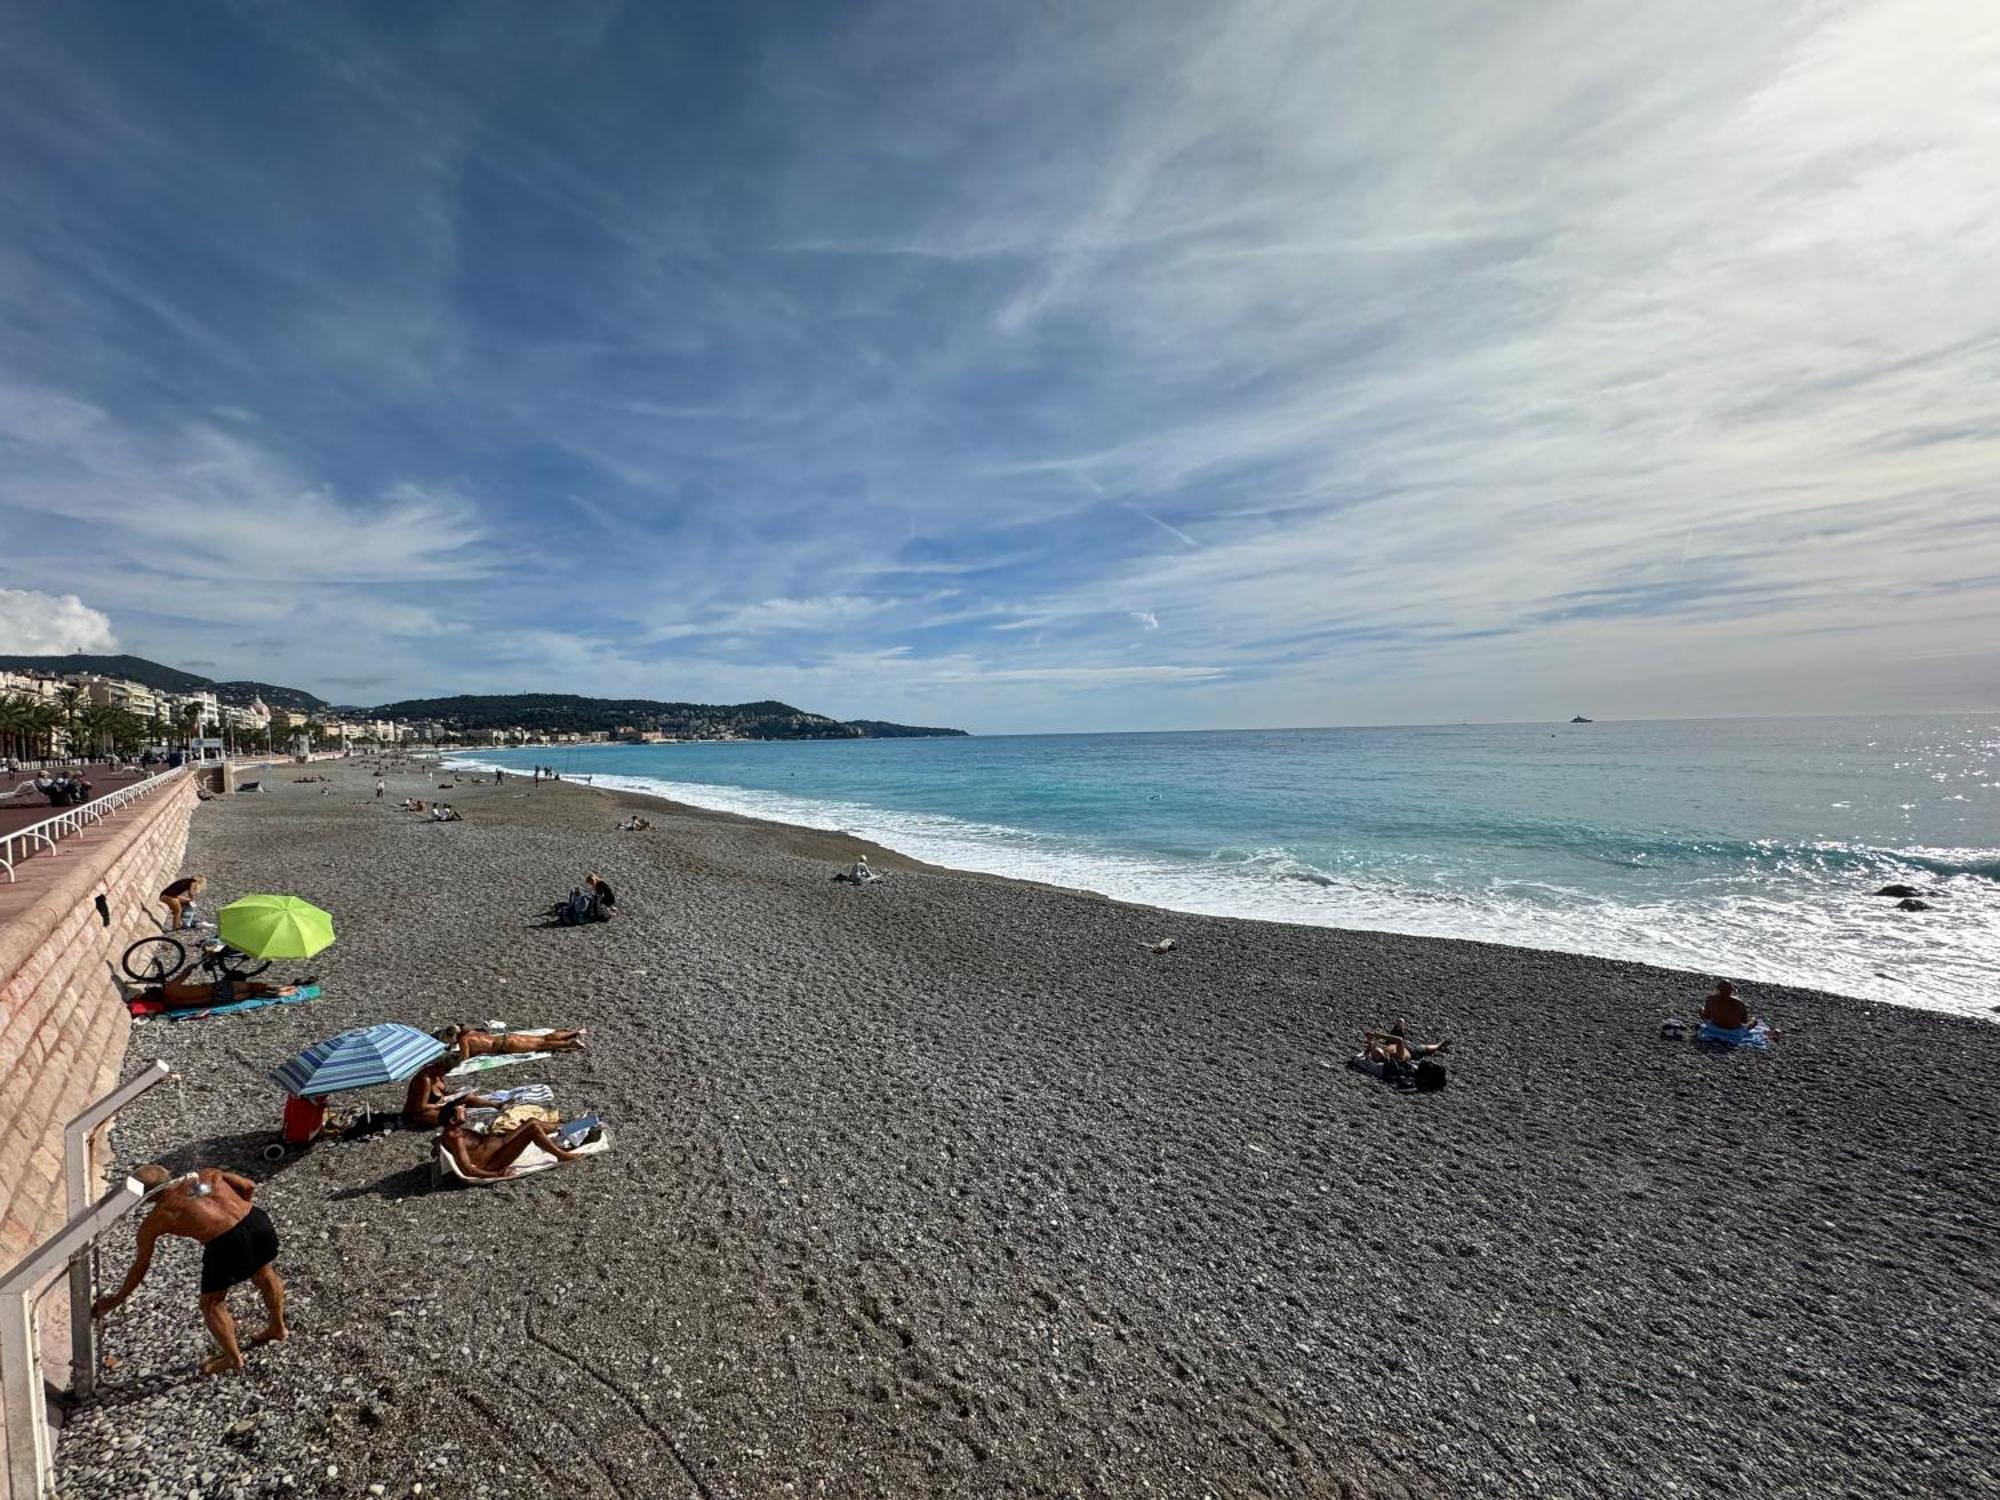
point(492, 1156)
point(471, 1042)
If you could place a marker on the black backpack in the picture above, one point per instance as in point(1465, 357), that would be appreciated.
point(1430, 1076)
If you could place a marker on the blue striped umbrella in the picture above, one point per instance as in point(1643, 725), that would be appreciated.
point(384, 1053)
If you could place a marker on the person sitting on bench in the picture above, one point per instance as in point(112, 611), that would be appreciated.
point(491, 1156)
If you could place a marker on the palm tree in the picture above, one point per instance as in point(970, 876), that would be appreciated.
point(16, 723)
point(43, 719)
point(97, 721)
point(69, 695)
point(191, 723)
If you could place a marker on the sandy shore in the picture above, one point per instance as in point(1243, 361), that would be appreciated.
point(947, 1187)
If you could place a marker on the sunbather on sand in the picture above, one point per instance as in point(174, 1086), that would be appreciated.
point(492, 1156)
point(177, 995)
point(1725, 1008)
point(472, 1042)
point(1393, 1045)
point(428, 1094)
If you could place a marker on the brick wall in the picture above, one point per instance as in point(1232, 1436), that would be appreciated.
point(63, 1029)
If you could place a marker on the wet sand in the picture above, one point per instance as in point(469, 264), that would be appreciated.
point(948, 1187)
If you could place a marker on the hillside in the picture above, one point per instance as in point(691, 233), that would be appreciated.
point(166, 679)
point(554, 713)
point(560, 713)
point(133, 668)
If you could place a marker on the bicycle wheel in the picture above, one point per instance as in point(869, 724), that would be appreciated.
point(153, 959)
point(241, 965)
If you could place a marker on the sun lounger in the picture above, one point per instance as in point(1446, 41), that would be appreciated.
point(534, 1159)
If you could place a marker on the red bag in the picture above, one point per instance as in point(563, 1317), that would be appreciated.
point(304, 1119)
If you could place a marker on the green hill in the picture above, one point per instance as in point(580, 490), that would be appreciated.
point(551, 713)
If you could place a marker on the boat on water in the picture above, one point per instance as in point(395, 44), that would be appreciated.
point(1580, 719)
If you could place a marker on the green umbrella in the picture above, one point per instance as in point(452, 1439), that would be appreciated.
point(274, 927)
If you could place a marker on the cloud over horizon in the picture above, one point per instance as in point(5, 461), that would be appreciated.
point(37, 624)
point(1219, 364)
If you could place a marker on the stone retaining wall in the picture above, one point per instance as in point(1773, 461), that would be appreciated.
point(63, 1030)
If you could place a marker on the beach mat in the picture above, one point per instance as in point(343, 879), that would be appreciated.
point(145, 1010)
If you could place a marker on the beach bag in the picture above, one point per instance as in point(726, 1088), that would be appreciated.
point(575, 911)
point(303, 1120)
point(1430, 1076)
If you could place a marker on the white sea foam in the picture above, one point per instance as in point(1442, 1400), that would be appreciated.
point(1830, 941)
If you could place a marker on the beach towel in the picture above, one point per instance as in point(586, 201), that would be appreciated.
point(496, 1060)
point(534, 1159)
point(146, 1009)
point(1755, 1035)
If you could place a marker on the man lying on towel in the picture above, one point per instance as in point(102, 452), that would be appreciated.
point(175, 994)
point(472, 1042)
point(492, 1156)
point(429, 1093)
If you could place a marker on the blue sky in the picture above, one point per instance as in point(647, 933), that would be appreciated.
point(1020, 367)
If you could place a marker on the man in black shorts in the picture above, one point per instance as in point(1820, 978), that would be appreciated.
point(238, 1244)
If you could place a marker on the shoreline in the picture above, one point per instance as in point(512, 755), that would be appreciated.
point(946, 1186)
point(1971, 1009)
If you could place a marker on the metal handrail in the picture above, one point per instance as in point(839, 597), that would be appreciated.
point(73, 820)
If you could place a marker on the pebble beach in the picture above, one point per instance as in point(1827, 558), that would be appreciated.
point(948, 1186)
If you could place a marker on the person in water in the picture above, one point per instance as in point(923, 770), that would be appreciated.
point(492, 1156)
point(428, 1094)
point(176, 994)
point(472, 1042)
point(239, 1243)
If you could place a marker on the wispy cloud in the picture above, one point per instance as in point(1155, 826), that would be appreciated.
point(1457, 360)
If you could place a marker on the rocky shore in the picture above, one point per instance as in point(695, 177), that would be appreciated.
point(948, 1186)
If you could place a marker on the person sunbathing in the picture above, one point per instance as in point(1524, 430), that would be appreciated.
point(492, 1156)
point(1380, 1048)
point(428, 1094)
point(176, 994)
point(238, 1241)
point(1725, 1008)
point(473, 1042)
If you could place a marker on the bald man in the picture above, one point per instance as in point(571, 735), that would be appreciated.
point(238, 1242)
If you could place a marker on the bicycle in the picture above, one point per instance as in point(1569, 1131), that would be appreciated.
point(152, 960)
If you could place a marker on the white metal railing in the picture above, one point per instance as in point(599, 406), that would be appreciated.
point(18, 845)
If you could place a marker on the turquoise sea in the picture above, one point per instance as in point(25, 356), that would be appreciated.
point(1740, 847)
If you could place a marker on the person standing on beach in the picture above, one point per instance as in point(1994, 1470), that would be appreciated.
point(238, 1242)
point(381, 786)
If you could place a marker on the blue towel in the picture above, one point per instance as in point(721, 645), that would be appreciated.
point(304, 992)
point(1754, 1035)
